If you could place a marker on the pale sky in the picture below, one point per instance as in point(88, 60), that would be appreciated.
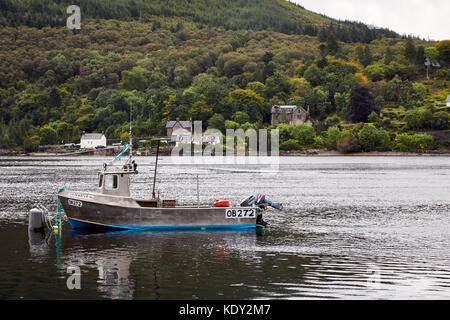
point(429, 19)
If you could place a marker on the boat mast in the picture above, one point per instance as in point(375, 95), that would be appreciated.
point(131, 133)
point(126, 147)
point(156, 166)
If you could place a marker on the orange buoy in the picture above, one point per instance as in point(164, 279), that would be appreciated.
point(222, 203)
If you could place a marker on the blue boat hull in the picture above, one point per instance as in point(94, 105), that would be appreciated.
point(90, 210)
point(76, 224)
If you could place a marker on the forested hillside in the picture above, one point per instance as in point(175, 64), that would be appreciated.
point(278, 15)
point(223, 62)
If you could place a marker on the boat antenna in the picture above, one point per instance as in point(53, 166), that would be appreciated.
point(126, 147)
point(156, 166)
point(131, 133)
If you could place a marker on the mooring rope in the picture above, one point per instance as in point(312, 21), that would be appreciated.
point(46, 217)
point(58, 208)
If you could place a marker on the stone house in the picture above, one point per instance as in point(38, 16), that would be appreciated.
point(292, 115)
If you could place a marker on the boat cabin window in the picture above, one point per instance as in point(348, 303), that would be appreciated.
point(100, 181)
point(111, 181)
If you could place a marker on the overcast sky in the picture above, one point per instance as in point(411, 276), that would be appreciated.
point(423, 18)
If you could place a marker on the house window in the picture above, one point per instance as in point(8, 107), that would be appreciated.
point(111, 181)
point(100, 181)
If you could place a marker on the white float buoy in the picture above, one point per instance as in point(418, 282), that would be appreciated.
point(35, 220)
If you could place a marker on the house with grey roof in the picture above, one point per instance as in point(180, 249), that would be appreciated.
point(92, 140)
point(183, 132)
point(290, 114)
point(178, 128)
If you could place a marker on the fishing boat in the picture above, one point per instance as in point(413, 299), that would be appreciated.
point(113, 207)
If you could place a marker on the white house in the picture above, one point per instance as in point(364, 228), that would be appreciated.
point(182, 132)
point(178, 128)
point(92, 140)
point(448, 100)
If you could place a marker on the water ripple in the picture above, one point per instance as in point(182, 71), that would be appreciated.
point(352, 228)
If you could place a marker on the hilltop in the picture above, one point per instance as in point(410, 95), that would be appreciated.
point(223, 62)
point(277, 15)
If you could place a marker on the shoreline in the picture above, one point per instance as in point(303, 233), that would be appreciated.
point(315, 153)
point(367, 154)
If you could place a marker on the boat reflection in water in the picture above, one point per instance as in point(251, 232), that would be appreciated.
point(127, 258)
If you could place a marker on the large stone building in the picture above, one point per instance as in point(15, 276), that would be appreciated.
point(292, 115)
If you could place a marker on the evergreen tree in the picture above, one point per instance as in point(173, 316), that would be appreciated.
point(332, 44)
point(322, 36)
point(363, 54)
point(267, 57)
point(367, 56)
point(443, 47)
point(361, 104)
point(420, 57)
point(410, 50)
point(388, 56)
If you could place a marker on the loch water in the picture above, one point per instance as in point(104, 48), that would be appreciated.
point(352, 228)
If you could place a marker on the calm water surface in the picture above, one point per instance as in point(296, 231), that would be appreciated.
point(352, 228)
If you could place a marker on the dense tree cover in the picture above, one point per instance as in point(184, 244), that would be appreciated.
point(56, 83)
point(280, 16)
point(367, 137)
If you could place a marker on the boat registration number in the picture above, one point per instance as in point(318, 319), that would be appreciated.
point(240, 213)
point(75, 203)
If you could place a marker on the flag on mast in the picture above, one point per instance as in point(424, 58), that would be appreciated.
point(125, 148)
